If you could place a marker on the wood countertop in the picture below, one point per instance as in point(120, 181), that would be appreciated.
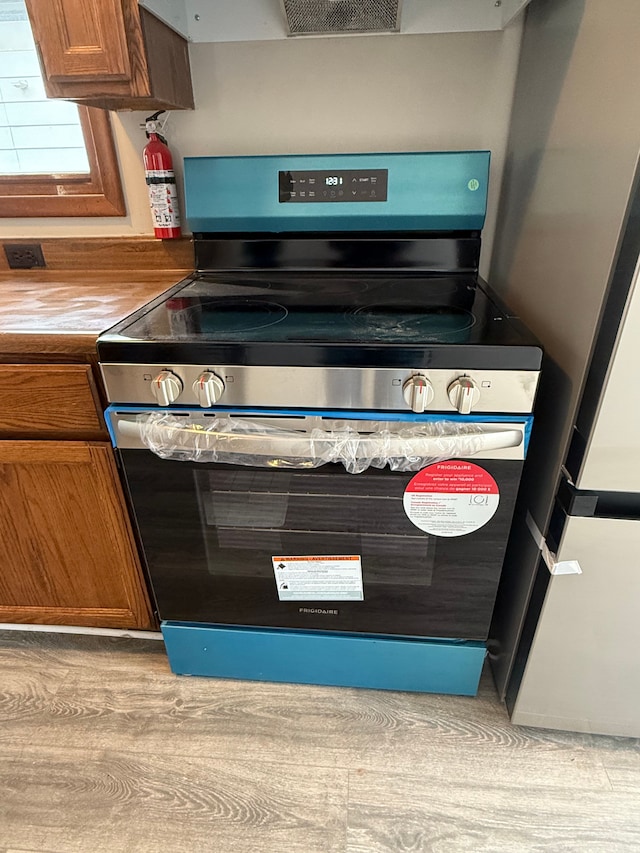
point(56, 312)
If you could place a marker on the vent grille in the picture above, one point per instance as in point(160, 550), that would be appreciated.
point(317, 17)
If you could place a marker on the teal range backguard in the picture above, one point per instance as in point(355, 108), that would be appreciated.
point(429, 191)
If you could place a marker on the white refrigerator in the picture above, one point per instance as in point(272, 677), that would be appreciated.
point(565, 639)
point(578, 665)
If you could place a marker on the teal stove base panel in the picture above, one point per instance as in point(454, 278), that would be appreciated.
point(382, 663)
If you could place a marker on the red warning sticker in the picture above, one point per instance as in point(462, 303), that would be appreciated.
point(451, 498)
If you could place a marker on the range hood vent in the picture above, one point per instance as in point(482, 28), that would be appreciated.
point(213, 21)
point(331, 17)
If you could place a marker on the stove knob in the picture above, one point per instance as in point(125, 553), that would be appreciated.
point(463, 394)
point(208, 388)
point(417, 392)
point(166, 388)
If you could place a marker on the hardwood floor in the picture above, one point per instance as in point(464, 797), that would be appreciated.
point(103, 750)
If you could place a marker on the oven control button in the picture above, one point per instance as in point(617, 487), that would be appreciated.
point(463, 394)
point(166, 387)
point(208, 388)
point(417, 392)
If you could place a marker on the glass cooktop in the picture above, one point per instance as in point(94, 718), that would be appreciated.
point(308, 308)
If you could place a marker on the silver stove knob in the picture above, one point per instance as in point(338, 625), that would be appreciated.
point(417, 392)
point(208, 388)
point(166, 387)
point(463, 394)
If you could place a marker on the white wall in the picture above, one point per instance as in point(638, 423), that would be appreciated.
point(392, 93)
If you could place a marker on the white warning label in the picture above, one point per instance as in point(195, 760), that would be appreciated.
point(318, 578)
point(451, 498)
point(163, 197)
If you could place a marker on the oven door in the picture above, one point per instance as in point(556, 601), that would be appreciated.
point(292, 541)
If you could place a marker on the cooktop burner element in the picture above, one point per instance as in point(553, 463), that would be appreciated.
point(233, 316)
point(433, 324)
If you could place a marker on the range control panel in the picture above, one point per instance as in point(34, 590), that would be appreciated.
point(335, 193)
point(382, 389)
point(333, 186)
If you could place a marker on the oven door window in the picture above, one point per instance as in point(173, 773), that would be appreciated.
point(249, 516)
point(209, 533)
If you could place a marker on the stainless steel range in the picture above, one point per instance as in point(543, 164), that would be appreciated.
point(322, 429)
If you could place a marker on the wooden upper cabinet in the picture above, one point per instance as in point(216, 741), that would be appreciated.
point(111, 54)
point(89, 40)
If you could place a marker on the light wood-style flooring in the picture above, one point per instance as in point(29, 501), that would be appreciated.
point(103, 750)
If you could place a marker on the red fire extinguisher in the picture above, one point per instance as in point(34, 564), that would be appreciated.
point(161, 182)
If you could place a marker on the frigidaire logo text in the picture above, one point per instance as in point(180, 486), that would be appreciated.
point(318, 610)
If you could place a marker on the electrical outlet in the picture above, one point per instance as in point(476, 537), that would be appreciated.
point(24, 256)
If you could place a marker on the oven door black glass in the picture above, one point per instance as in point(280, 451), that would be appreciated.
point(210, 533)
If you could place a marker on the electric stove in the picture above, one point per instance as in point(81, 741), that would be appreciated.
point(322, 429)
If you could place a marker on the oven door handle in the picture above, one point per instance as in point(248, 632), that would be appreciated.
point(361, 446)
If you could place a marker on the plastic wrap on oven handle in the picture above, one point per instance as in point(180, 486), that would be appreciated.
point(241, 441)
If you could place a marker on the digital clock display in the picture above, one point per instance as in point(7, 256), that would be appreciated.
point(357, 185)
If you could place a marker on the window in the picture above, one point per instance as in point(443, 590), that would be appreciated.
point(56, 159)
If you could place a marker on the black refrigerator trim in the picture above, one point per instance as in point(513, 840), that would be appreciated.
point(585, 503)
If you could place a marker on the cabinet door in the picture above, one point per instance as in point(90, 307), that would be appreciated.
point(81, 39)
point(110, 54)
point(67, 554)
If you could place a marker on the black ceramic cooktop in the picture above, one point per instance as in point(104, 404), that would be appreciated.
point(321, 309)
point(211, 314)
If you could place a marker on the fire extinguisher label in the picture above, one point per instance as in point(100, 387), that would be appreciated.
point(163, 197)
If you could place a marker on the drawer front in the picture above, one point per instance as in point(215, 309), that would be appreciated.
point(49, 401)
point(324, 658)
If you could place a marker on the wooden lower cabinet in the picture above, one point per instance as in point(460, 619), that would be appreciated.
point(67, 554)
point(50, 401)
